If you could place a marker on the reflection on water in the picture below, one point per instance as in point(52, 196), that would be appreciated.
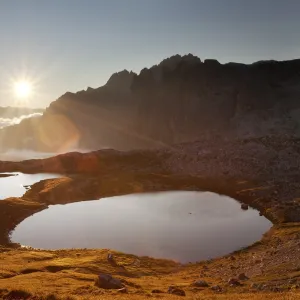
point(13, 186)
point(185, 226)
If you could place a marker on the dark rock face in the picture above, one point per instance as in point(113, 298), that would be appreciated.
point(121, 81)
point(179, 100)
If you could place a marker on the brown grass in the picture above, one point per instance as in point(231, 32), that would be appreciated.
point(22, 294)
point(71, 273)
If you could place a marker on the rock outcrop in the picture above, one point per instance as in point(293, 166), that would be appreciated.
point(121, 81)
point(181, 99)
point(200, 283)
point(106, 281)
point(176, 291)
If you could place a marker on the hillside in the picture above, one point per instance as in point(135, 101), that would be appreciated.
point(264, 173)
point(178, 100)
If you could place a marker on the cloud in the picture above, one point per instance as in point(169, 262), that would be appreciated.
point(19, 155)
point(4, 122)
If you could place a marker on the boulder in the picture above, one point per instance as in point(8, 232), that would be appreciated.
point(216, 288)
point(244, 206)
point(200, 283)
point(106, 281)
point(234, 282)
point(176, 291)
point(242, 276)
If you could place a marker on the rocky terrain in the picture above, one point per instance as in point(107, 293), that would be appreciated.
point(258, 172)
point(232, 129)
point(268, 169)
point(179, 100)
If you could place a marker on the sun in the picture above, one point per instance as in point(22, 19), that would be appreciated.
point(22, 89)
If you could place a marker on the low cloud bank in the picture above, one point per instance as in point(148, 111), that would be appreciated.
point(4, 122)
point(19, 155)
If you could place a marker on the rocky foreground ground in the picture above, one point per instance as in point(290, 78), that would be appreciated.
point(264, 173)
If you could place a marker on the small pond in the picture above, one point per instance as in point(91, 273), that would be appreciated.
point(14, 186)
point(184, 226)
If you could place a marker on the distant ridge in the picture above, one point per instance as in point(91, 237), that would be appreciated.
point(180, 99)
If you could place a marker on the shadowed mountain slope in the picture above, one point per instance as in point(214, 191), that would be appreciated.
point(181, 99)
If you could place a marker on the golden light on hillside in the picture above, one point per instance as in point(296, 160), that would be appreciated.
point(58, 132)
point(22, 89)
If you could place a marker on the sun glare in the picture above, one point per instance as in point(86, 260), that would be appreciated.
point(22, 89)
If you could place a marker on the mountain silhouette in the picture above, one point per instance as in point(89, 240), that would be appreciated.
point(179, 100)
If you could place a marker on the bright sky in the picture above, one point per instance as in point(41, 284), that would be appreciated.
point(68, 45)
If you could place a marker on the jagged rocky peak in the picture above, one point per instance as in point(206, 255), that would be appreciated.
point(211, 62)
point(89, 89)
point(173, 61)
point(65, 95)
point(170, 64)
point(121, 81)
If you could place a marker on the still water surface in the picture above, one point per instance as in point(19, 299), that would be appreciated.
point(13, 186)
point(184, 226)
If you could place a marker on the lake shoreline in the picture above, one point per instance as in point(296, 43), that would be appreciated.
point(6, 175)
point(156, 224)
point(82, 188)
point(110, 173)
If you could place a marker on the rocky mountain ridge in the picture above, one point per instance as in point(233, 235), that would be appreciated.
point(181, 99)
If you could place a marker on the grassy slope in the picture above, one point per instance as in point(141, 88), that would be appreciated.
point(273, 262)
point(71, 273)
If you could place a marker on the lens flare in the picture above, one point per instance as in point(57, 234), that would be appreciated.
point(22, 89)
